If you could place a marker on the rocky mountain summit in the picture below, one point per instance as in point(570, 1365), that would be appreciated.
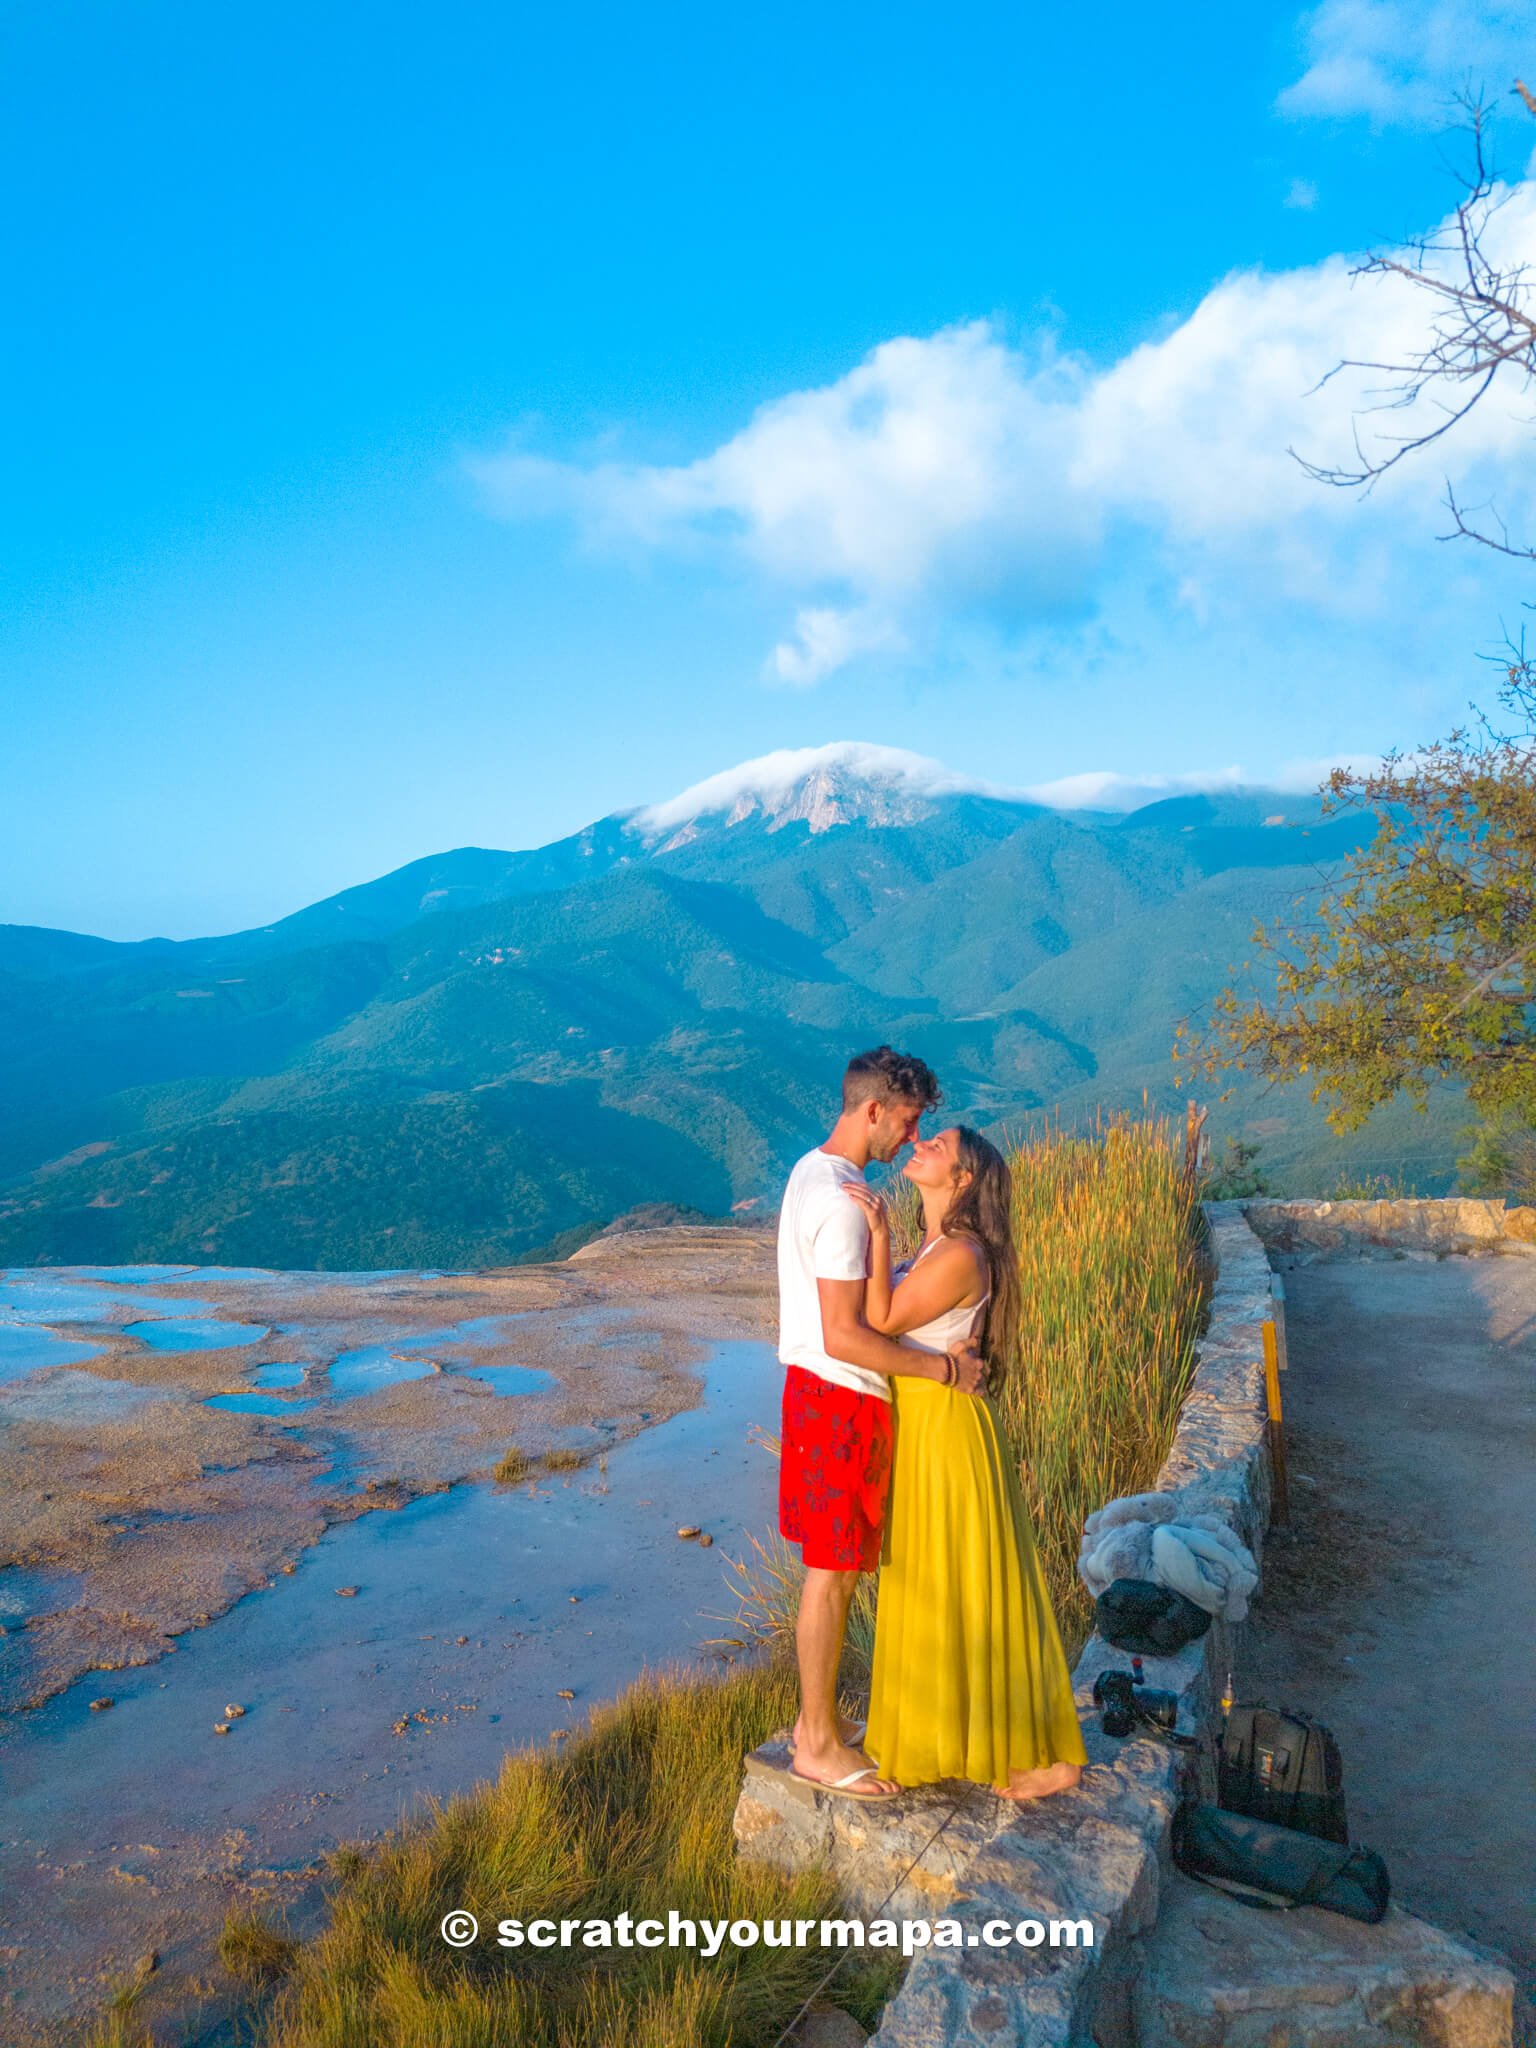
point(846, 783)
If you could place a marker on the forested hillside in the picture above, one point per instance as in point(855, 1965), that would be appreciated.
point(489, 1055)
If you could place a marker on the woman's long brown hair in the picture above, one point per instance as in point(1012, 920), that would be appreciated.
point(983, 1210)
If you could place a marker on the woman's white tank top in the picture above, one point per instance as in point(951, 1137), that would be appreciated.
point(952, 1327)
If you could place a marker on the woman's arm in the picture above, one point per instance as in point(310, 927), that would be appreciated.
point(946, 1278)
point(847, 1336)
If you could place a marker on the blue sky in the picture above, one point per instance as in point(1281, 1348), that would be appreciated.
point(443, 427)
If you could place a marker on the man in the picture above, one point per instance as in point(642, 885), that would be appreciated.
point(835, 1447)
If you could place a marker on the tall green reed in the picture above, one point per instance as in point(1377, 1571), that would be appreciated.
point(1107, 1233)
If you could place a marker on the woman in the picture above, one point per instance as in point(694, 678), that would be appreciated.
point(970, 1677)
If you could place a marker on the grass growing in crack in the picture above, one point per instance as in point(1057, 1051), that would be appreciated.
point(513, 1465)
point(117, 2027)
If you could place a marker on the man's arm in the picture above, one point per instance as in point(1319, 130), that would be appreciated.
point(847, 1337)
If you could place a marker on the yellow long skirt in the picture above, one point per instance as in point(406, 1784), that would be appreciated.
point(970, 1677)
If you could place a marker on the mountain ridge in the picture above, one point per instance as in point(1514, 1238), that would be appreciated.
point(847, 782)
point(484, 1054)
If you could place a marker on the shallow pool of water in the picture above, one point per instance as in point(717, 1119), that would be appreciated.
point(278, 1376)
point(26, 1350)
point(259, 1404)
point(75, 1397)
point(25, 1592)
point(196, 1333)
point(505, 1379)
point(132, 1276)
point(482, 1329)
point(30, 1298)
point(371, 1367)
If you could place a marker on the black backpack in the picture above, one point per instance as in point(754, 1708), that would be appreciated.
point(1283, 1768)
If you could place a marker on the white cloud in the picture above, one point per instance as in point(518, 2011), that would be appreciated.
point(870, 481)
point(1301, 193)
point(825, 638)
point(1108, 790)
point(1401, 62)
point(957, 472)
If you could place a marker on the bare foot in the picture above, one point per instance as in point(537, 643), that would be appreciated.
point(1037, 1784)
point(840, 1760)
point(848, 1730)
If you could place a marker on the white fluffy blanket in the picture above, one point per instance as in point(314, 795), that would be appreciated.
point(1145, 1536)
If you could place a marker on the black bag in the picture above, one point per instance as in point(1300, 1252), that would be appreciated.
point(1148, 1619)
point(1284, 1768)
point(1242, 1856)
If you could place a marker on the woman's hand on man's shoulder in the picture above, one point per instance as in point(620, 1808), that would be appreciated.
point(879, 1216)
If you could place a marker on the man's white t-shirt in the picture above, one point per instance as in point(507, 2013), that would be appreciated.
point(823, 1235)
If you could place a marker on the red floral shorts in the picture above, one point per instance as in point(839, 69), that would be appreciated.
point(834, 1468)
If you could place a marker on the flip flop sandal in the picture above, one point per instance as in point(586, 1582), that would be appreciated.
point(844, 1786)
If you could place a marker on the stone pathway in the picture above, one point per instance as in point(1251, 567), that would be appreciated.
point(1400, 1603)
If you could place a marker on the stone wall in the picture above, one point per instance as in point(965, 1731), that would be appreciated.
point(1458, 1224)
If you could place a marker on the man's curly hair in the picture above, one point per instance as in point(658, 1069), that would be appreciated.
point(886, 1076)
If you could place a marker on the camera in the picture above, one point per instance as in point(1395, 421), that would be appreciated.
point(1124, 1702)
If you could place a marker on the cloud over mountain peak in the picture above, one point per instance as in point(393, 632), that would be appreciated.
point(846, 782)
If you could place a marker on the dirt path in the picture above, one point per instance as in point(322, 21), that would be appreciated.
point(1400, 1604)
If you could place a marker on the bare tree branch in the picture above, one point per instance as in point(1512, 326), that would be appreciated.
point(1482, 330)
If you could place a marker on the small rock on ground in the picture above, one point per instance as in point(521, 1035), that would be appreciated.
point(828, 2026)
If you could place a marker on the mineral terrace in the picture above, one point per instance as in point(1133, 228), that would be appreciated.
point(132, 1511)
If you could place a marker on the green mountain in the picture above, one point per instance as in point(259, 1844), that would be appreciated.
point(487, 1056)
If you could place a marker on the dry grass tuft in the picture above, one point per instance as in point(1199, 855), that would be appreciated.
point(766, 1588)
point(117, 2026)
point(253, 1951)
point(118, 2029)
